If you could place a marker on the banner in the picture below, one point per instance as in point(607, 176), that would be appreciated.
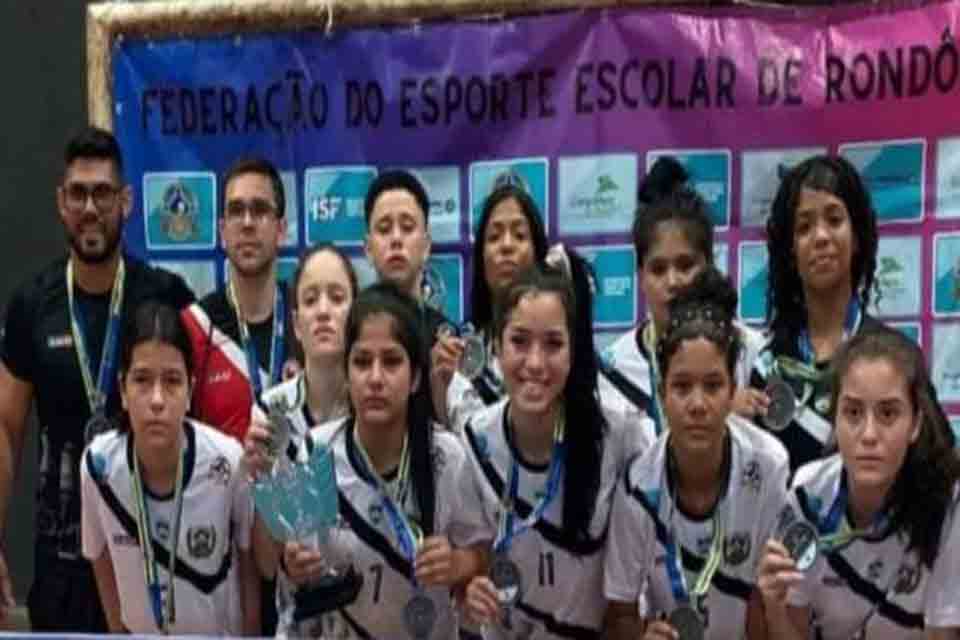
point(574, 107)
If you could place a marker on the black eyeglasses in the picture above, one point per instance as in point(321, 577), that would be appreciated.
point(236, 210)
point(104, 195)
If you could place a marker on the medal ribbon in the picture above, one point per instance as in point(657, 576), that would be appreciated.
point(836, 530)
point(165, 617)
point(650, 343)
point(508, 527)
point(851, 323)
point(250, 349)
point(99, 390)
point(409, 535)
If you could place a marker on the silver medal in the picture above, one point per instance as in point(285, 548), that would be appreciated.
point(506, 578)
point(687, 623)
point(800, 540)
point(97, 424)
point(419, 616)
point(474, 357)
point(783, 404)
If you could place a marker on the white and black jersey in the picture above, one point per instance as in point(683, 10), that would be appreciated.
point(217, 518)
point(808, 433)
point(625, 379)
point(872, 585)
point(562, 579)
point(645, 513)
point(366, 538)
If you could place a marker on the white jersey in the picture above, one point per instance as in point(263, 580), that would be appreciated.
point(366, 537)
point(628, 356)
point(873, 582)
point(562, 595)
point(644, 514)
point(217, 516)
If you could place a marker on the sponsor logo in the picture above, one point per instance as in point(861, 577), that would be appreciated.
point(736, 548)
point(752, 478)
point(124, 540)
point(63, 341)
point(908, 579)
point(220, 470)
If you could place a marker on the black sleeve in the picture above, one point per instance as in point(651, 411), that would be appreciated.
point(17, 341)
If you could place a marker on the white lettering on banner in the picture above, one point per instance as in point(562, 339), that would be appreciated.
point(618, 286)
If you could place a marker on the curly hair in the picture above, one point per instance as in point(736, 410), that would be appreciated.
point(923, 490)
point(786, 308)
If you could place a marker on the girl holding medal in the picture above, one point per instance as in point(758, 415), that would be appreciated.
point(822, 243)
point(673, 238)
point(322, 289)
point(399, 485)
point(884, 558)
point(166, 513)
point(691, 514)
point(547, 460)
point(510, 238)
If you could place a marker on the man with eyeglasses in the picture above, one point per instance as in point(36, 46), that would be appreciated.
point(60, 347)
point(240, 334)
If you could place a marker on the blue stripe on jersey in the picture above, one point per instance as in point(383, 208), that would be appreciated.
point(729, 585)
point(556, 627)
point(373, 538)
point(857, 583)
point(204, 583)
point(550, 532)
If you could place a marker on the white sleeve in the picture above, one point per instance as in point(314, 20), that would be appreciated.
point(942, 608)
point(241, 508)
point(752, 343)
point(630, 548)
point(92, 537)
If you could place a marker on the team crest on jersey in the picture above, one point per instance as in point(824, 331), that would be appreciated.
point(201, 540)
point(875, 570)
point(908, 579)
point(751, 476)
point(220, 470)
point(162, 530)
point(375, 513)
point(439, 460)
point(703, 545)
point(736, 548)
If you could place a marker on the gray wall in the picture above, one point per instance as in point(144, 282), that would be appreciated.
point(42, 50)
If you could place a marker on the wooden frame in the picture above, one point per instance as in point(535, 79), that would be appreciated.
point(158, 19)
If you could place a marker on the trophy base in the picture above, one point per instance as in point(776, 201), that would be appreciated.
point(328, 594)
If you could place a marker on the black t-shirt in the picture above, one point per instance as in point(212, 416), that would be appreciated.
point(37, 347)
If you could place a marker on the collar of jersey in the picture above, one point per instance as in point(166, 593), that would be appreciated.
point(188, 462)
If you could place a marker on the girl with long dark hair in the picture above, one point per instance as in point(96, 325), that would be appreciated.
point(692, 513)
point(822, 246)
point(881, 518)
point(398, 479)
point(166, 515)
point(510, 237)
point(547, 460)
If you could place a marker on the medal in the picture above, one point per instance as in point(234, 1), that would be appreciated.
point(474, 357)
point(97, 424)
point(506, 578)
point(419, 616)
point(687, 623)
point(783, 404)
point(800, 540)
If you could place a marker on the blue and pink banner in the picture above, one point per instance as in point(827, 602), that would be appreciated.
point(573, 106)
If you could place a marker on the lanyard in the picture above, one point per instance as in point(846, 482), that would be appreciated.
point(164, 612)
point(851, 324)
point(250, 349)
point(408, 534)
point(508, 527)
point(650, 344)
point(97, 391)
point(836, 530)
point(678, 580)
